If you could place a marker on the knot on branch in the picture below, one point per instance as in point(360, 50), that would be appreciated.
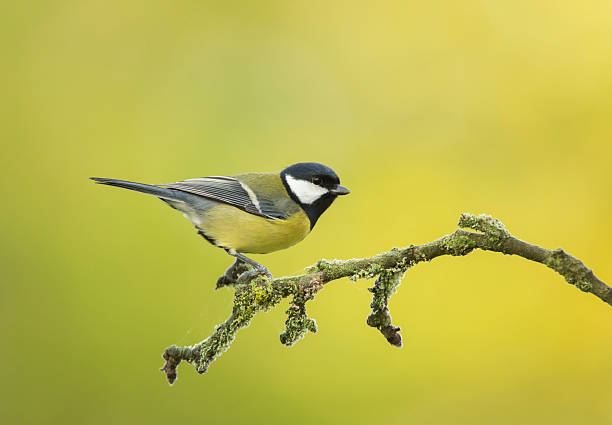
point(491, 227)
point(483, 223)
point(173, 356)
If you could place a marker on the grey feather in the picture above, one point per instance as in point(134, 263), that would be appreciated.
point(201, 193)
point(230, 191)
point(160, 192)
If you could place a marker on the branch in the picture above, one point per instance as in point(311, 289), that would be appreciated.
point(261, 294)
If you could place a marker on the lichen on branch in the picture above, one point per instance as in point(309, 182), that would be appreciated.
point(261, 294)
point(385, 285)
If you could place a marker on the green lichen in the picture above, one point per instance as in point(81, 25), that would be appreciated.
point(333, 269)
point(324, 265)
point(494, 229)
point(401, 266)
point(584, 286)
point(572, 269)
point(296, 325)
point(249, 299)
point(386, 284)
point(253, 297)
point(367, 273)
point(555, 259)
point(483, 223)
point(458, 244)
point(215, 345)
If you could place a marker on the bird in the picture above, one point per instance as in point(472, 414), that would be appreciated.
point(250, 213)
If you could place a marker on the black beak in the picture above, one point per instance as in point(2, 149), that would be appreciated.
point(340, 190)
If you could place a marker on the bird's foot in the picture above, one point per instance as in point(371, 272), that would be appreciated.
point(224, 281)
point(232, 274)
point(250, 274)
point(257, 269)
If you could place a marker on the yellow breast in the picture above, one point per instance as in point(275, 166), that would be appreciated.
point(233, 228)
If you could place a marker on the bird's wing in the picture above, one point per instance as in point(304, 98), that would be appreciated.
point(229, 191)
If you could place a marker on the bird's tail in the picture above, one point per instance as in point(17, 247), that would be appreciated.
point(160, 192)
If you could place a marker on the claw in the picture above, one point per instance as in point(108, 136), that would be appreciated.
point(224, 281)
point(247, 262)
point(248, 275)
point(231, 275)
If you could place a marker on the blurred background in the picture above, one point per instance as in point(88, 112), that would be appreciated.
point(425, 109)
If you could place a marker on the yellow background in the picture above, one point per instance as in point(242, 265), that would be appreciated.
point(425, 109)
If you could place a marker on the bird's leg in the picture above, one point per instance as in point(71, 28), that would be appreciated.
point(258, 268)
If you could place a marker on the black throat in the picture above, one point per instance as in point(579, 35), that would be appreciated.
point(314, 210)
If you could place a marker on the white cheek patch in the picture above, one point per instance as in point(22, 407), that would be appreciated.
point(307, 192)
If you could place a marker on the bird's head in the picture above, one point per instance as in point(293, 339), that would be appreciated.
point(313, 186)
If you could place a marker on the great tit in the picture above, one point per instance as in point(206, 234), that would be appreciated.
point(250, 213)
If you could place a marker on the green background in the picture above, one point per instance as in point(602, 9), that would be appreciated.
point(425, 109)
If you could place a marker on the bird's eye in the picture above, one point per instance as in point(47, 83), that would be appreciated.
point(316, 180)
